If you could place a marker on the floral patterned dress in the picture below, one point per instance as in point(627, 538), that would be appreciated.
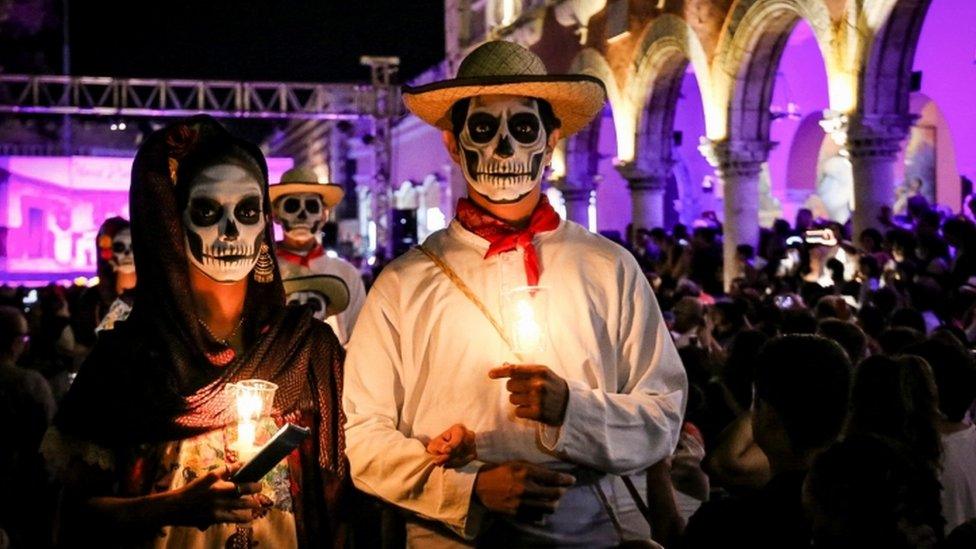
point(181, 462)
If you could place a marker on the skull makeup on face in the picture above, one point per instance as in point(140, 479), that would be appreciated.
point(223, 222)
point(315, 300)
point(301, 215)
point(504, 147)
point(122, 261)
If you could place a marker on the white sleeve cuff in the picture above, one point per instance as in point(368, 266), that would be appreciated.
point(475, 514)
point(556, 439)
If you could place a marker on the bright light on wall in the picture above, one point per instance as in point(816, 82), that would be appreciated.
point(436, 220)
point(557, 169)
point(591, 215)
point(555, 197)
point(510, 11)
point(841, 90)
point(625, 126)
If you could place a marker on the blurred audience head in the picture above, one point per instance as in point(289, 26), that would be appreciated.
point(801, 396)
point(868, 491)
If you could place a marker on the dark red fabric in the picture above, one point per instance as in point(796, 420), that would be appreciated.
point(298, 259)
point(503, 237)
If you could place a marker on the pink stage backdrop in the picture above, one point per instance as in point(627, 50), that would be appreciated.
point(51, 208)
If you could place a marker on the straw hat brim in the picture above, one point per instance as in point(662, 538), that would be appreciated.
point(575, 99)
point(331, 194)
point(332, 287)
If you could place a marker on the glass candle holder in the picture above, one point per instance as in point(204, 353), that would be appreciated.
point(524, 312)
point(253, 399)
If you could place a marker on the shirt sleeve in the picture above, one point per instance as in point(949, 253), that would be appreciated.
point(357, 297)
point(628, 428)
point(383, 461)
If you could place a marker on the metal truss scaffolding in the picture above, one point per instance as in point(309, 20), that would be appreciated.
point(84, 95)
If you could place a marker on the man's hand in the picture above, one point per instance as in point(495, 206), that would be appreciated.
point(518, 488)
point(454, 447)
point(536, 392)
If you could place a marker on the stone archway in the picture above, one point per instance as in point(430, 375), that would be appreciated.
point(886, 75)
point(743, 75)
point(666, 49)
point(578, 182)
point(580, 153)
point(871, 136)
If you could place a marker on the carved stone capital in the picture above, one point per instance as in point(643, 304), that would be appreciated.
point(574, 194)
point(868, 136)
point(646, 176)
point(576, 184)
point(735, 157)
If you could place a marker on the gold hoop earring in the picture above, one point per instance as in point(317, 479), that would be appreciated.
point(264, 268)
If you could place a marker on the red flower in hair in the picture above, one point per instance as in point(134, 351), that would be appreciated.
point(105, 247)
point(180, 141)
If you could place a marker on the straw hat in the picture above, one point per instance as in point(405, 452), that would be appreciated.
point(504, 68)
point(304, 180)
point(332, 287)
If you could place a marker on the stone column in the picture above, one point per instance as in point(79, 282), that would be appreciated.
point(872, 143)
point(577, 202)
point(646, 184)
point(577, 185)
point(737, 164)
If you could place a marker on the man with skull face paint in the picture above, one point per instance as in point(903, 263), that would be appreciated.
point(143, 441)
point(326, 295)
point(301, 207)
point(442, 421)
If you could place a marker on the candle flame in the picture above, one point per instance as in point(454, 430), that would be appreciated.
point(528, 333)
point(249, 405)
point(251, 397)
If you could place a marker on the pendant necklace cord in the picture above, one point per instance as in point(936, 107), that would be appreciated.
point(225, 341)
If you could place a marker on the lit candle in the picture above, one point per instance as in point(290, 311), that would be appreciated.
point(246, 433)
point(253, 399)
point(524, 311)
point(248, 412)
point(528, 333)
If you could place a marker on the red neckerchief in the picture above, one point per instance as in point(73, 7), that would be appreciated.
point(298, 259)
point(502, 237)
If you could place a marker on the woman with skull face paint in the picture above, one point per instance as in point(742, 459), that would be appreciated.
point(116, 271)
point(446, 420)
point(142, 441)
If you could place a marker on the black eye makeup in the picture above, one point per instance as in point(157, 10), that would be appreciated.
point(205, 211)
point(291, 205)
point(482, 127)
point(524, 127)
point(248, 210)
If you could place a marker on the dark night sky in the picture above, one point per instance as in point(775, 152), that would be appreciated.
point(291, 40)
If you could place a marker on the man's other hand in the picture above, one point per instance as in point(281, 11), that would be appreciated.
point(536, 391)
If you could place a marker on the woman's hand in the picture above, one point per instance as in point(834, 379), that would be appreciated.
point(214, 499)
point(455, 447)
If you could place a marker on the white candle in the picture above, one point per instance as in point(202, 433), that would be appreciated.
point(246, 433)
point(252, 399)
point(528, 333)
point(524, 313)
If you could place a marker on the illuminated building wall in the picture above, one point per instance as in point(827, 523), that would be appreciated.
point(51, 208)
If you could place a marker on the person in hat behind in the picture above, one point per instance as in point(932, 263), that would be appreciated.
point(301, 207)
point(326, 295)
point(443, 418)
